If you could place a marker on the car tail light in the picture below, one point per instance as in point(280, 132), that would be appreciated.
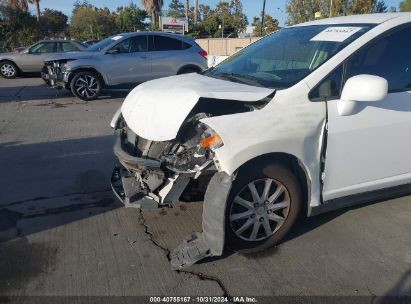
point(204, 54)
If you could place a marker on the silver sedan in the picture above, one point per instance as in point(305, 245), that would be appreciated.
point(30, 60)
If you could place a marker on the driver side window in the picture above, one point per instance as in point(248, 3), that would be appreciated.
point(133, 44)
point(387, 57)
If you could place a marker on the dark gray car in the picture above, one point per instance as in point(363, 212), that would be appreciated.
point(124, 58)
point(30, 60)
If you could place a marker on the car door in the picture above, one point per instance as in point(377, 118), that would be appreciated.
point(370, 149)
point(128, 61)
point(32, 60)
point(163, 58)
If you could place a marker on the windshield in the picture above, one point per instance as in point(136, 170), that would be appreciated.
point(102, 44)
point(283, 58)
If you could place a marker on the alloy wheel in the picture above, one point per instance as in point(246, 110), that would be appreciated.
point(8, 70)
point(87, 86)
point(259, 209)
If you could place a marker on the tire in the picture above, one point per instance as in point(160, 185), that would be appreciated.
point(86, 85)
point(8, 70)
point(245, 227)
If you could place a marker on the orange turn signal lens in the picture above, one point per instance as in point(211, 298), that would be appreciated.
point(211, 141)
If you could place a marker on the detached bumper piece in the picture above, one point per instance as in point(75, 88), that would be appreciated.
point(210, 242)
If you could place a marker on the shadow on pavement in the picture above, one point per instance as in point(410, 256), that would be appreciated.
point(50, 184)
point(42, 92)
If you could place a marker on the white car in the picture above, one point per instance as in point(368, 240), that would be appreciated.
point(308, 119)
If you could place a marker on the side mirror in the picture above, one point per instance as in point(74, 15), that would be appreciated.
point(361, 88)
point(113, 51)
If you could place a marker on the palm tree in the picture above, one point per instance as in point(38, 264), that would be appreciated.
point(187, 8)
point(195, 11)
point(18, 4)
point(37, 3)
point(153, 7)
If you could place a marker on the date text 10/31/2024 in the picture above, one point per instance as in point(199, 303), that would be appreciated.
point(202, 299)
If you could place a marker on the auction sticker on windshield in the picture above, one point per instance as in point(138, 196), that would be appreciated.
point(116, 37)
point(336, 33)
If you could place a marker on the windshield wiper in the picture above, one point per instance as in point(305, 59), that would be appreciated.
point(245, 79)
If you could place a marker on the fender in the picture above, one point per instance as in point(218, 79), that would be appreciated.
point(294, 128)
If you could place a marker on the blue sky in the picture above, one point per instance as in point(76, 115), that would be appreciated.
point(252, 8)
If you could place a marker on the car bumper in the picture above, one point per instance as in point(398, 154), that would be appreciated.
point(55, 78)
point(142, 182)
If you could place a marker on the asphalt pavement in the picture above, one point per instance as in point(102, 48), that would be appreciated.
point(63, 233)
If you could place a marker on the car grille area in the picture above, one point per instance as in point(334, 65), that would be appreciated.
point(140, 147)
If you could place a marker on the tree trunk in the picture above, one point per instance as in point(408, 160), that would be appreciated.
point(195, 11)
point(38, 10)
point(187, 7)
point(153, 20)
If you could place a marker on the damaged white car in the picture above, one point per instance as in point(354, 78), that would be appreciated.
point(308, 119)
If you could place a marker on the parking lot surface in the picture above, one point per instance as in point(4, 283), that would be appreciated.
point(62, 232)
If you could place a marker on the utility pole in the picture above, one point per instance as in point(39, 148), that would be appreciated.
point(262, 18)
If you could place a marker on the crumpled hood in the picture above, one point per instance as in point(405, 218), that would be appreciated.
point(155, 110)
point(69, 56)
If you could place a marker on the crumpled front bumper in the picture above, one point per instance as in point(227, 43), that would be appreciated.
point(136, 179)
point(124, 187)
point(55, 77)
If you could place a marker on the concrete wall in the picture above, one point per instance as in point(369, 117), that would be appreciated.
point(224, 47)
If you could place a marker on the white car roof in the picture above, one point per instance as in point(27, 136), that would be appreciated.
point(365, 19)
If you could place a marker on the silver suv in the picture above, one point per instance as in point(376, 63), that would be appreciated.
point(124, 58)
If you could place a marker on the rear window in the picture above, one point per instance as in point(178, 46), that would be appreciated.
point(163, 43)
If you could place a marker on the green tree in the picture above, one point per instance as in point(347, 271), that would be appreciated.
point(270, 25)
point(153, 7)
point(130, 18)
point(304, 10)
point(53, 22)
point(176, 9)
point(227, 14)
point(88, 22)
point(379, 7)
point(405, 6)
point(17, 26)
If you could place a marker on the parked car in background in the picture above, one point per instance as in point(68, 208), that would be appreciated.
point(30, 60)
point(309, 119)
point(124, 58)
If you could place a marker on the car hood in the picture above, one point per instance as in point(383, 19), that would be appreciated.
point(69, 56)
point(8, 55)
point(155, 110)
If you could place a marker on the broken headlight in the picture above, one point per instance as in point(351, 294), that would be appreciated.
point(210, 139)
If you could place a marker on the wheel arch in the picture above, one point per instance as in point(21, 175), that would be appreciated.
point(87, 69)
point(189, 67)
point(13, 62)
point(291, 162)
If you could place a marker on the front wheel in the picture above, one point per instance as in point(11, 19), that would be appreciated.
point(86, 85)
point(8, 70)
point(262, 206)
